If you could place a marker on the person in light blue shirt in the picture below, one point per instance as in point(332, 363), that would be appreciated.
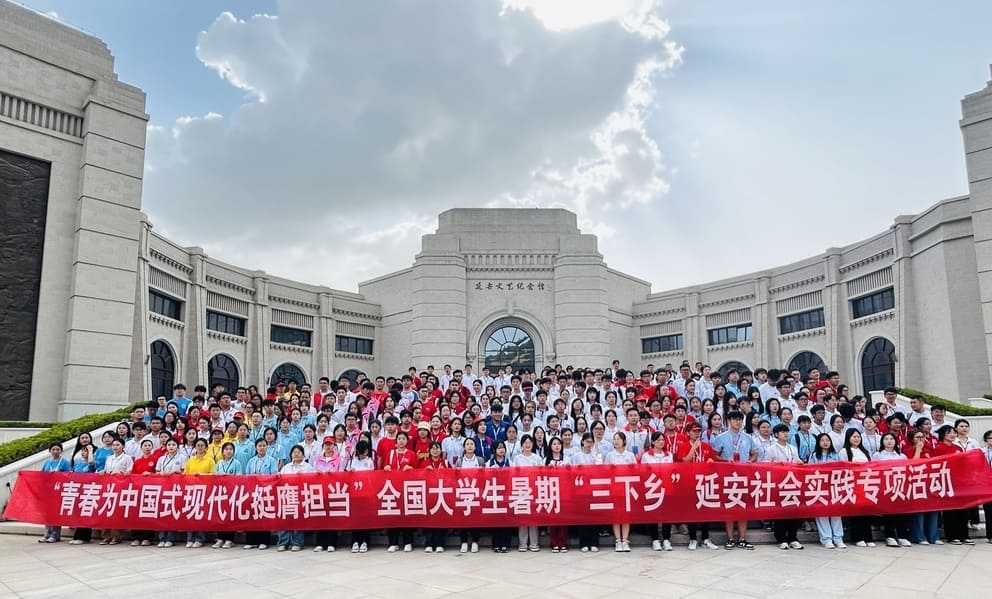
point(244, 446)
point(102, 453)
point(286, 436)
point(735, 445)
point(831, 529)
point(55, 463)
point(261, 464)
point(276, 450)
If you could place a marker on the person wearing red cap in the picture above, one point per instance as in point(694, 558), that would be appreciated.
point(697, 450)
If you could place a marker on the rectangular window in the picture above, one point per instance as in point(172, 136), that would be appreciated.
point(879, 301)
point(653, 345)
point(164, 305)
point(290, 336)
point(353, 345)
point(232, 325)
point(734, 334)
point(812, 319)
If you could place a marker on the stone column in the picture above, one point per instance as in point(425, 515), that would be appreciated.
point(259, 332)
point(835, 319)
point(976, 127)
point(100, 326)
point(908, 360)
point(765, 325)
point(582, 325)
point(195, 365)
point(694, 338)
point(438, 297)
point(141, 351)
point(323, 342)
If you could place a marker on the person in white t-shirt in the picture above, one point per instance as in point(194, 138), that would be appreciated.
point(620, 456)
point(529, 537)
point(781, 452)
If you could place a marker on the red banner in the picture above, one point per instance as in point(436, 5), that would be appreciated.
point(694, 492)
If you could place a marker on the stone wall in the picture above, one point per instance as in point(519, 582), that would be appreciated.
point(23, 206)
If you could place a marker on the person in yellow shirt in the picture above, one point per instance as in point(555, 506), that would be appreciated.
point(197, 464)
point(230, 435)
point(214, 450)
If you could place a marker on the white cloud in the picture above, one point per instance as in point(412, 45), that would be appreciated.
point(363, 120)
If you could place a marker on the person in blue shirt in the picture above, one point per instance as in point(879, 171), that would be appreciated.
point(275, 450)
point(228, 464)
point(831, 530)
point(55, 463)
point(496, 424)
point(180, 399)
point(735, 445)
point(244, 446)
point(261, 464)
point(296, 424)
point(279, 443)
point(103, 452)
point(269, 416)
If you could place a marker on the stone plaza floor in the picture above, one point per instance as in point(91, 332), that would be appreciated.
point(30, 569)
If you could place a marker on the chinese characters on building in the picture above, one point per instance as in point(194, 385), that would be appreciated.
point(507, 286)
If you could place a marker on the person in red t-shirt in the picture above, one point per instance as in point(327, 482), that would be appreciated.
point(696, 450)
point(421, 443)
point(434, 537)
point(144, 464)
point(917, 446)
point(674, 440)
point(388, 441)
point(399, 459)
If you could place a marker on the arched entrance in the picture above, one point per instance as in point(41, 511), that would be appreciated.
point(286, 372)
point(731, 365)
point(805, 361)
point(163, 368)
point(510, 342)
point(878, 364)
point(223, 370)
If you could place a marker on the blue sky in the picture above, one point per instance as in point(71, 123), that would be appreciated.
point(785, 127)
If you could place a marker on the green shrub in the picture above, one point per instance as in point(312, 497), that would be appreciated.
point(60, 432)
point(952, 406)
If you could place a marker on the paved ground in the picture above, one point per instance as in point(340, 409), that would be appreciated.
point(29, 569)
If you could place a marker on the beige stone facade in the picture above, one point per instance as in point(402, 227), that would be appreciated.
point(912, 304)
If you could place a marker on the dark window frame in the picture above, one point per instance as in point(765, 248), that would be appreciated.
point(738, 333)
point(801, 321)
point(165, 305)
point(290, 336)
point(354, 345)
point(873, 303)
point(226, 323)
point(662, 343)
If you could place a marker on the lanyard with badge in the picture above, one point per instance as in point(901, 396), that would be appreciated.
point(736, 443)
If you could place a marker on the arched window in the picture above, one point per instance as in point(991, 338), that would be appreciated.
point(288, 372)
point(163, 364)
point(731, 365)
point(352, 374)
point(878, 364)
point(221, 370)
point(806, 361)
point(510, 346)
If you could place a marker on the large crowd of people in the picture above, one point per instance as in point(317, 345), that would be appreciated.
point(562, 415)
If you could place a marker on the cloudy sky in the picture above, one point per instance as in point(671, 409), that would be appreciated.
point(700, 139)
